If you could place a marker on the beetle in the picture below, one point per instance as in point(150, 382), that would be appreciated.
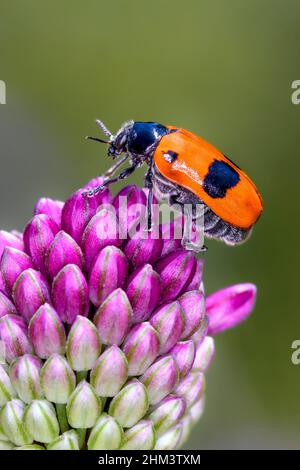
point(185, 169)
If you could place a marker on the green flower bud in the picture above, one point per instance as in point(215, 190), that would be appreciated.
point(6, 445)
point(83, 406)
point(110, 372)
point(24, 375)
point(83, 345)
point(67, 441)
point(107, 434)
point(170, 439)
point(57, 379)
point(130, 404)
point(11, 422)
point(139, 437)
point(7, 391)
point(41, 421)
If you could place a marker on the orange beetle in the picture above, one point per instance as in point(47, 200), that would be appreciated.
point(185, 169)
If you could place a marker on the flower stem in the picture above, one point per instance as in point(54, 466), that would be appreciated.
point(81, 375)
point(62, 417)
point(81, 437)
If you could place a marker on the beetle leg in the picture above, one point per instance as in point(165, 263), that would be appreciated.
point(111, 171)
point(186, 242)
point(149, 186)
point(124, 174)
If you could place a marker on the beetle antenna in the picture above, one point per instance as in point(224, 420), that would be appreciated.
point(104, 128)
point(89, 137)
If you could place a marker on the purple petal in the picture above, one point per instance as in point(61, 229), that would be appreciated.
point(12, 264)
point(70, 294)
point(10, 239)
point(101, 231)
point(50, 207)
point(46, 332)
point(62, 251)
point(109, 272)
point(169, 322)
point(141, 348)
point(228, 307)
point(6, 306)
point(176, 271)
point(184, 354)
point(113, 318)
point(14, 337)
point(78, 211)
point(38, 235)
point(143, 249)
point(30, 291)
point(193, 306)
point(143, 291)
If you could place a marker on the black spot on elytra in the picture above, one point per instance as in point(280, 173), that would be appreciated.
point(170, 156)
point(220, 177)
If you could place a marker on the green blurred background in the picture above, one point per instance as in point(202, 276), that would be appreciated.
point(221, 68)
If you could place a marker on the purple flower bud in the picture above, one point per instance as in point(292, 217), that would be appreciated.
point(38, 235)
point(142, 248)
point(57, 379)
point(14, 337)
point(70, 293)
point(197, 278)
point(110, 372)
point(191, 388)
point(109, 272)
point(139, 437)
point(143, 291)
point(121, 407)
point(101, 231)
point(141, 348)
point(46, 332)
point(10, 239)
point(113, 318)
point(62, 251)
point(131, 206)
point(193, 306)
point(50, 207)
point(204, 354)
point(171, 234)
point(3, 287)
point(167, 413)
point(228, 307)
point(6, 306)
point(12, 264)
point(30, 291)
point(176, 272)
point(169, 322)
point(83, 345)
point(201, 331)
point(24, 375)
point(184, 354)
point(160, 379)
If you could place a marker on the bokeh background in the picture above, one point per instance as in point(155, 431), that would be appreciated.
point(221, 68)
